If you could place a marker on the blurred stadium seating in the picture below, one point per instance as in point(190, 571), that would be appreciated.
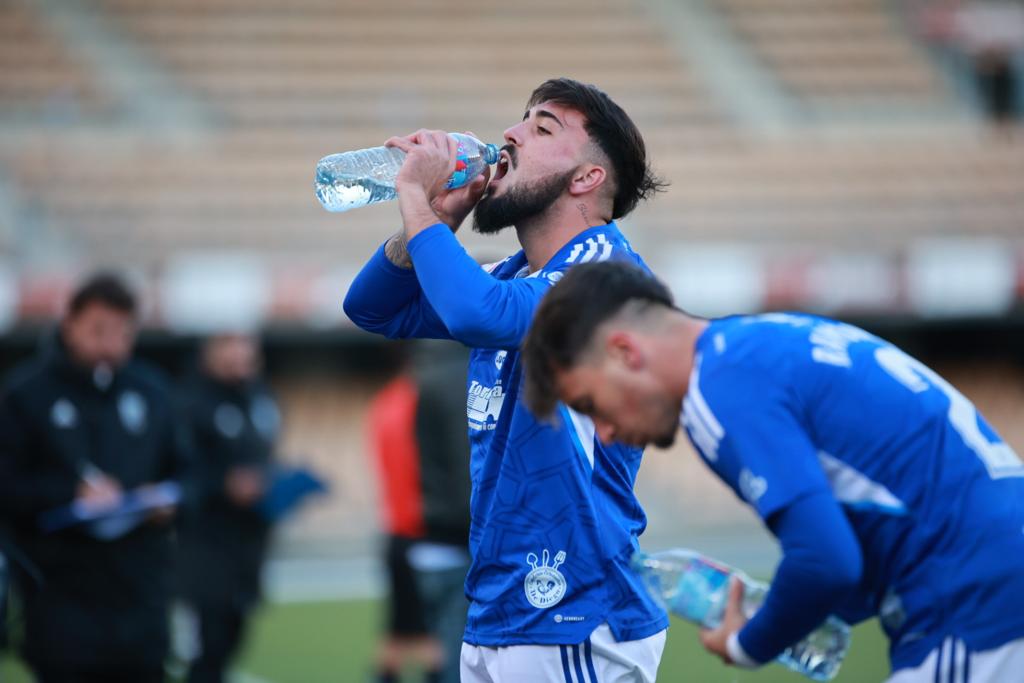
point(850, 51)
point(169, 135)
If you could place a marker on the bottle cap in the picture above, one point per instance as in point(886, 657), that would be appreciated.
point(491, 154)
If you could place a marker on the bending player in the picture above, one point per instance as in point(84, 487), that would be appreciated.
point(554, 517)
point(888, 492)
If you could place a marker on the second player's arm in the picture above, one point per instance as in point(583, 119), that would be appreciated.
point(768, 456)
point(821, 564)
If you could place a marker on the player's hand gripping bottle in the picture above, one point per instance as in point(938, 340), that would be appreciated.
point(696, 588)
point(367, 176)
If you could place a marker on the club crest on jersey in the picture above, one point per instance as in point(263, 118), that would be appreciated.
point(544, 585)
point(131, 408)
point(63, 414)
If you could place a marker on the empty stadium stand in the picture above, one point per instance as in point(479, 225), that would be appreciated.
point(837, 52)
point(39, 79)
point(285, 82)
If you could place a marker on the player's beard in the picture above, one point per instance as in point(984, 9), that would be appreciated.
point(667, 436)
point(666, 440)
point(519, 204)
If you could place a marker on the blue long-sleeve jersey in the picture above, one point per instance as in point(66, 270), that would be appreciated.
point(554, 517)
point(890, 493)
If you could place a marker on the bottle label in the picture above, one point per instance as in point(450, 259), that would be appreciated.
point(701, 592)
point(461, 175)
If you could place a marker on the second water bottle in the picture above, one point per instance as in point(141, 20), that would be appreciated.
point(696, 588)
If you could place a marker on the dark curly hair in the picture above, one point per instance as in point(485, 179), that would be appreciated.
point(614, 132)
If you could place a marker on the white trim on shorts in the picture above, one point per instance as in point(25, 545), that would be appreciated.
point(952, 662)
point(598, 659)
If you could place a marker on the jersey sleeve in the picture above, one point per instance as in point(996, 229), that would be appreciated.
point(821, 565)
point(477, 308)
point(749, 427)
point(385, 299)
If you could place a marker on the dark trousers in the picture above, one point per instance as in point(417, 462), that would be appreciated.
point(134, 677)
point(220, 632)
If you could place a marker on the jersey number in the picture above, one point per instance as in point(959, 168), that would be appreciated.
point(1000, 460)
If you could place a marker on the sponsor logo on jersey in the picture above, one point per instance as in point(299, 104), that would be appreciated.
point(559, 618)
point(544, 585)
point(483, 405)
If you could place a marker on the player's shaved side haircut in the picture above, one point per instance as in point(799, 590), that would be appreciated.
point(569, 315)
point(611, 129)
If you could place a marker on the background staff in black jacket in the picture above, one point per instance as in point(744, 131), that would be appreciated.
point(234, 423)
point(84, 422)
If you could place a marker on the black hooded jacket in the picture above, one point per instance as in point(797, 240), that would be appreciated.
point(89, 604)
point(223, 544)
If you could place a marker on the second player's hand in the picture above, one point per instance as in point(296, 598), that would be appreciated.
point(715, 640)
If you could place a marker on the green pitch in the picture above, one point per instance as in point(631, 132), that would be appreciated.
point(332, 642)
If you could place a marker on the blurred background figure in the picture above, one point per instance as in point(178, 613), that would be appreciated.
point(392, 437)
point(84, 423)
point(991, 33)
point(986, 37)
point(234, 423)
point(5, 581)
point(420, 447)
point(441, 559)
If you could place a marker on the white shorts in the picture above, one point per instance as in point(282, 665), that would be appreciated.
point(598, 659)
point(952, 663)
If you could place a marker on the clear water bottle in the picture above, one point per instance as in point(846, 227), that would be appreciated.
point(696, 588)
point(367, 176)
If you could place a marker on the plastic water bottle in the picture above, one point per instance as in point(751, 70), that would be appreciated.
point(696, 588)
point(367, 176)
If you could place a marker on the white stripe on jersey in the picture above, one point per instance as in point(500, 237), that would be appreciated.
point(591, 250)
point(597, 248)
point(953, 662)
point(585, 432)
point(854, 488)
point(577, 249)
point(697, 417)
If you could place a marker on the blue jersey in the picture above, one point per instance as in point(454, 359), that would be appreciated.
point(784, 406)
point(554, 517)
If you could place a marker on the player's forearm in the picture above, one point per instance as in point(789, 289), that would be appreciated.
point(417, 214)
point(396, 252)
point(821, 564)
